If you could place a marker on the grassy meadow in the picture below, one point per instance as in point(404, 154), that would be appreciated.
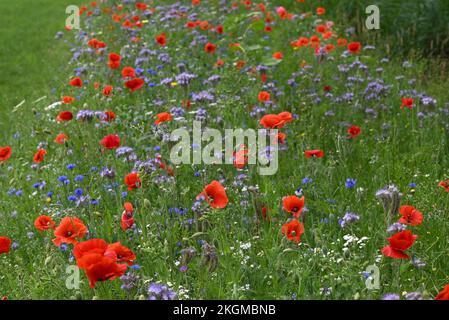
point(372, 117)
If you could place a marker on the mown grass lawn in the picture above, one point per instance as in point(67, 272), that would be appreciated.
point(32, 61)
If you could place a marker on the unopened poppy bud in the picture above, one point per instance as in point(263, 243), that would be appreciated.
point(146, 203)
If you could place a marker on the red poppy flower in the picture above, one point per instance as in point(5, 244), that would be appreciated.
point(102, 268)
point(320, 11)
point(127, 220)
point(5, 245)
point(410, 216)
point(163, 117)
point(89, 247)
point(107, 90)
point(444, 294)
point(114, 57)
point(141, 6)
point(111, 141)
point(128, 207)
point(110, 115)
point(44, 222)
point(321, 28)
point(219, 63)
point(264, 212)
point(240, 64)
point(342, 42)
point(399, 242)
point(407, 102)
point(303, 41)
point(64, 116)
point(61, 138)
point(134, 84)
point(286, 117)
point(282, 12)
point(264, 96)
point(114, 60)
point(278, 55)
point(353, 131)
point(293, 230)
point(443, 184)
point(219, 29)
point(128, 72)
point(69, 230)
point(293, 204)
point(329, 47)
point(5, 153)
point(165, 167)
point(281, 137)
point(354, 47)
point(210, 47)
point(273, 121)
point(39, 156)
point(161, 39)
point(123, 253)
point(92, 42)
point(68, 99)
point(215, 195)
point(132, 180)
point(314, 153)
point(76, 82)
point(240, 158)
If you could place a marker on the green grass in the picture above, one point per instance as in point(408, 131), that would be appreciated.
point(396, 147)
point(32, 61)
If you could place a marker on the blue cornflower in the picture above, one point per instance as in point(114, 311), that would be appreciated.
point(79, 178)
point(350, 183)
point(71, 166)
point(307, 180)
point(71, 198)
point(79, 192)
